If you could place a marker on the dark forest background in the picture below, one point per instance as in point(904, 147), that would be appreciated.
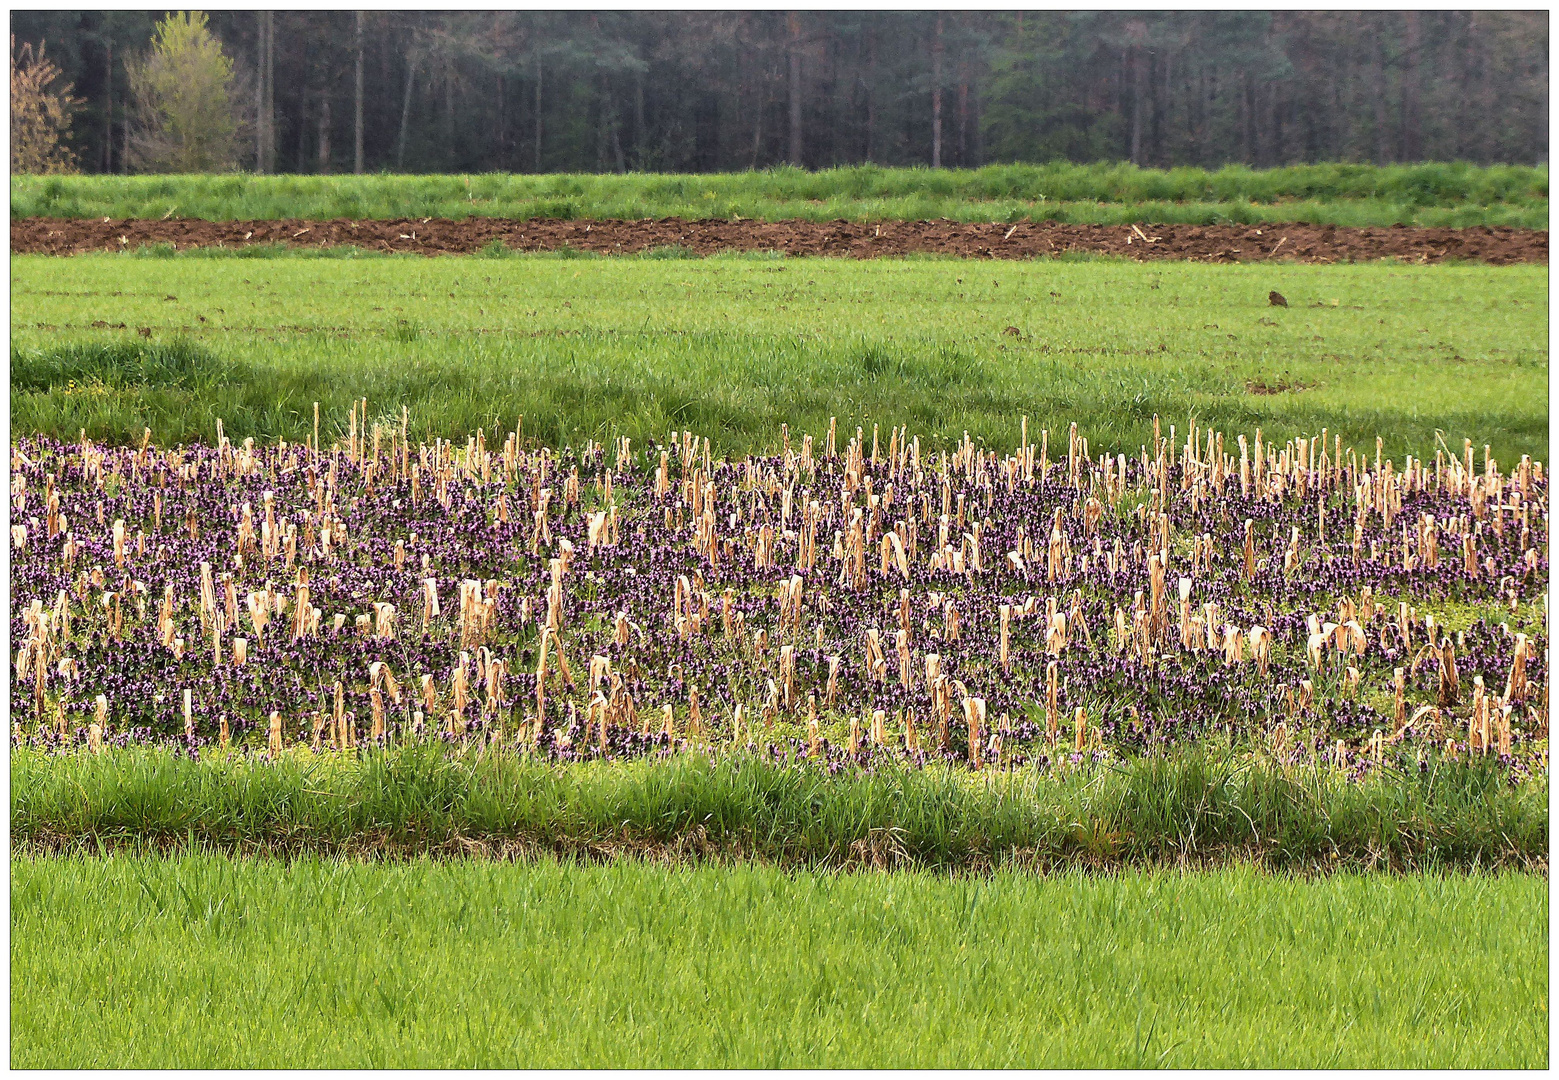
point(343, 91)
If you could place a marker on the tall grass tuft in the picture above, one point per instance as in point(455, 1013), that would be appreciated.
point(118, 364)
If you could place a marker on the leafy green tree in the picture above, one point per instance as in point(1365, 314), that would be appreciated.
point(185, 106)
point(40, 114)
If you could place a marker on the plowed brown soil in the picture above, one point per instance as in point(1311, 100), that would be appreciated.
point(1210, 243)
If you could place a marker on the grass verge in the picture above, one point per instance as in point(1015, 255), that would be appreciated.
point(208, 961)
point(1455, 195)
point(1192, 807)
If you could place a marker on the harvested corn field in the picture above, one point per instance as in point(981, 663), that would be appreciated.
point(844, 600)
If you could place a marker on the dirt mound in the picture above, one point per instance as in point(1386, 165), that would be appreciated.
point(1209, 243)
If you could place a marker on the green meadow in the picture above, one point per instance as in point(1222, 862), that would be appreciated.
point(732, 347)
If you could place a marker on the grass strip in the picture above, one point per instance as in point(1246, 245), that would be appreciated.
point(207, 961)
point(1436, 194)
point(1193, 806)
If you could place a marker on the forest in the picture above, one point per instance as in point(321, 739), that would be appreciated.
point(713, 91)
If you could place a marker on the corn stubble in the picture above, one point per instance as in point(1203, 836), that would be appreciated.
point(841, 601)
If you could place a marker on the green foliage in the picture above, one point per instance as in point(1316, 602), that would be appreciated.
point(734, 346)
point(1433, 194)
point(182, 92)
point(40, 114)
point(706, 91)
point(205, 961)
point(1030, 116)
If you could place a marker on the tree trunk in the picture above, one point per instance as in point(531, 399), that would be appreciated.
point(1275, 128)
point(1312, 112)
point(640, 134)
point(1382, 134)
point(830, 128)
point(1193, 108)
point(268, 99)
point(259, 92)
point(357, 101)
point(1412, 41)
point(108, 109)
point(611, 144)
point(1136, 105)
point(1464, 87)
point(270, 91)
point(411, 76)
point(324, 132)
point(871, 93)
point(757, 125)
point(500, 156)
point(1474, 65)
point(449, 114)
point(1484, 102)
point(1161, 99)
point(538, 114)
point(1252, 150)
point(1342, 93)
point(977, 147)
point(1195, 99)
point(299, 162)
point(794, 21)
point(963, 112)
point(936, 96)
point(601, 125)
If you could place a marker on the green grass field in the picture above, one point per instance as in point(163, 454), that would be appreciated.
point(733, 346)
point(1456, 195)
point(213, 962)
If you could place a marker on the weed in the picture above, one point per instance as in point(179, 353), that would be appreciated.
point(404, 332)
